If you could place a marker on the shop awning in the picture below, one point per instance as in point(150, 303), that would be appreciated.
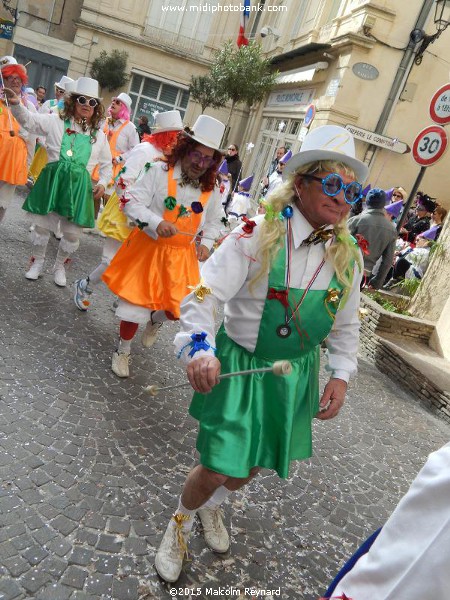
point(305, 73)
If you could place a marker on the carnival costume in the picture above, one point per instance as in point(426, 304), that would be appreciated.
point(153, 273)
point(266, 421)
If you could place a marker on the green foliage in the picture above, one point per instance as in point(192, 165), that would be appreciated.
point(386, 304)
point(110, 69)
point(437, 248)
point(204, 91)
point(242, 74)
point(409, 286)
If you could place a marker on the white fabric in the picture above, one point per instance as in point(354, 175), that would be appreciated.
point(419, 258)
point(238, 207)
point(52, 221)
point(135, 161)
point(228, 273)
point(127, 139)
point(275, 179)
point(146, 202)
point(53, 130)
point(410, 558)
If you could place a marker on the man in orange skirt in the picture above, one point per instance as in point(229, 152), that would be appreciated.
point(158, 263)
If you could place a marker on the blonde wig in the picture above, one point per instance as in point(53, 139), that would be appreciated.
point(343, 252)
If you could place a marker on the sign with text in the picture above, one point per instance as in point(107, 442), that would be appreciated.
point(370, 137)
point(365, 71)
point(6, 29)
point(440, 105)
point(292, 97)
point(429, 145)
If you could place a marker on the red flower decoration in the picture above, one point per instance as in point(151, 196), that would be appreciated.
point(249, 225)
point(120, 183)
point(280, 295)
point(122, 202)
point(70, 131)
point(363, 244)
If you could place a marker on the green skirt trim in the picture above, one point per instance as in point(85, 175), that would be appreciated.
point(65, 188)
point(259, 420)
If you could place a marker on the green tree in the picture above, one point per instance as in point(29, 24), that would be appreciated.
point(110, 69)
point(242, 75)
point(204, 91)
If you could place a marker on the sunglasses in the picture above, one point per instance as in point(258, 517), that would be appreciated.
point(197, 158)
point(332, 184)
point(83, 100)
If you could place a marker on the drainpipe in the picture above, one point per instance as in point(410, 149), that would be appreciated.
point(400, 78)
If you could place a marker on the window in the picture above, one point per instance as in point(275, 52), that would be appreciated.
point(151, 95)
point(335, 5)
point(180, 23)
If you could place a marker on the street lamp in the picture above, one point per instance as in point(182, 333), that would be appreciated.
point(442, 15)
point(441, 20)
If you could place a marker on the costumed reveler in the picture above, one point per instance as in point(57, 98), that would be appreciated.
point(287, 280)
point(16, 144)
point(113, 222)
point(64, 192)
point(171, 204)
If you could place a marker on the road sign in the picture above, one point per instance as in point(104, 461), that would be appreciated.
point(429, 145)
point(440, 105)
point(309, 115)
point(378, 140)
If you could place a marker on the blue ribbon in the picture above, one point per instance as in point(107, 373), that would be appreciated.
point(198, 342)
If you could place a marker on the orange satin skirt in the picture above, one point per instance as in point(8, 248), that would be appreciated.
point(155, 274)
point(13, 159)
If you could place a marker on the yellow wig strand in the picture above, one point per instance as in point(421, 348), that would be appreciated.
point(343, 252)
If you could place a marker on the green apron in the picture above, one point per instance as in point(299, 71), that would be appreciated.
point(65, 186)
point(265, 420)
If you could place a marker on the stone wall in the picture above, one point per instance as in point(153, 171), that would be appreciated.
point(375, 321)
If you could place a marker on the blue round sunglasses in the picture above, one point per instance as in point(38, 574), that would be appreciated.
point(332, 184)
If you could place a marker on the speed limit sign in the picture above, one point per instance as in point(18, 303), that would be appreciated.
point(429, 145)
point(440, 105)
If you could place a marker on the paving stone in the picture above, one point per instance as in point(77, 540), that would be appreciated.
point(34, 555)
point(108, 543)
point(119, 526)
point(126, 589)
point(9, 590)
point(81, 556)
point(74, 577)
point(64, 525)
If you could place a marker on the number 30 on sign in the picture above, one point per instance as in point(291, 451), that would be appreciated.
point(429, 145)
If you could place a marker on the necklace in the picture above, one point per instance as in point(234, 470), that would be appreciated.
point(284, 330)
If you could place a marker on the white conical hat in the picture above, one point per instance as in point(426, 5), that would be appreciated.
point(62, 82)
point(86, 86)
point(167, 121)
point(208, 131)
point(125, 98)
point(328, 142)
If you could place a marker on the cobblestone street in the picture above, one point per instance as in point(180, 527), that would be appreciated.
point(91, 466)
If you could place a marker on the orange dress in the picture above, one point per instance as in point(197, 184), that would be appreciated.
point(13, 149)
point(157, 274)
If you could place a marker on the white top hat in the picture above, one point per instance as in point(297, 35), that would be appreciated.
point(208, 131)
point(167, 121)
point(69, 86)
point(85, 86)
point(62, 82)
point(7, 60)
point(30, 90)
point(329, 142)
point(125, 98)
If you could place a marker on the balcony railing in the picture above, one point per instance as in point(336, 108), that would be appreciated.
point(173, 40)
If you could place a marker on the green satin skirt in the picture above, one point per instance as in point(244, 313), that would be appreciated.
point(256, 420)
point(65, 188)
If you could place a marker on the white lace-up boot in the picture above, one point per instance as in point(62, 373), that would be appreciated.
point(214, 531)
point(173, 548)
point(36, 268)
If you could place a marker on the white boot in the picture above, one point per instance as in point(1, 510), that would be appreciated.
point(121, 364)
point(215, 534)
point(173, 548)
point(35, 271)
point(59, 271)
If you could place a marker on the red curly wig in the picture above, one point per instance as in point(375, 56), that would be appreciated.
point(19, 70)
point(184, 145)
point(162, 141)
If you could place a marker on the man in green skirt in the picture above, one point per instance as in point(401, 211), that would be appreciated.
point(288, 281)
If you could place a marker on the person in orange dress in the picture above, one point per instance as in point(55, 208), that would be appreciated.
point(171, 204)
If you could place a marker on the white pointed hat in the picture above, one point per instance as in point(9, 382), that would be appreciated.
point(208, 131)
point(167, 121)
point(62, 82)
point(86, 86)
point(328, 142)
point(125, 99)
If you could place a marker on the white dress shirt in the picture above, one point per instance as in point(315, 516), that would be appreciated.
point(135, 161)
point(228, 273)
point(146, 202)
point(53, 128)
